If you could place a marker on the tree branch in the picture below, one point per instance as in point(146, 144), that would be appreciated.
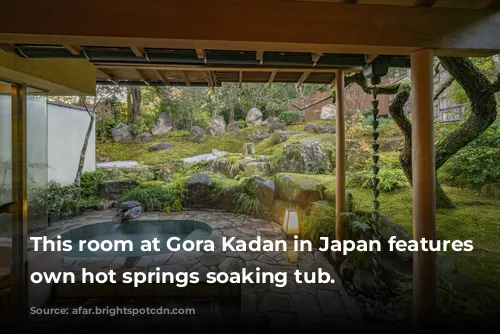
point(443, 87)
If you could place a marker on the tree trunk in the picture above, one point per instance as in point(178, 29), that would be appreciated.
point(496, 61)
point(81, 162)
point(129, 104)
point(231, 115)
point(136, 104)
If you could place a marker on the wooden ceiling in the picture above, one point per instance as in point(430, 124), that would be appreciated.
point(463, 4)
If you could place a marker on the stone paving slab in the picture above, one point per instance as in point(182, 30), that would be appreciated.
point(294, 303)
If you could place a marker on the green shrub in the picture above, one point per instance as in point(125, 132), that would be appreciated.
point(291, 117)
point(156, 195)
point(390, 179)
point(476, 164)
point(60, 199)
point(134, 129)
point(319, 223)
point(103, 129)
point(246, 200)
point(241, 123)
point(90, 181)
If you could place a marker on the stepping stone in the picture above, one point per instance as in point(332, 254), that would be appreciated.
point(275, 302)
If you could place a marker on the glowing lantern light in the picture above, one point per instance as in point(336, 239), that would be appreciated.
point(291, 223)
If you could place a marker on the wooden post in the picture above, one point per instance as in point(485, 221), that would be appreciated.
point(424, 189)
point(340, 229)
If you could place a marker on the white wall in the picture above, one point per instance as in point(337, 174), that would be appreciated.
point(67, 126)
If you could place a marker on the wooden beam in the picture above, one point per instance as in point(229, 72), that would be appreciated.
point(267, 25)
point(139, 52)
point(144, 77)
point(200, 53)
point(303, 77)
point(241, 78)
point(221, 69)
point(271, 78)
point(185, 78)
point(108, 74)
point(162, 77)
point(423, 190)
point(260, 56)
point(74, 49)
point(424, 3)
point(340, 200)
point(349, 1)
point(6, 48)
point(315, 57)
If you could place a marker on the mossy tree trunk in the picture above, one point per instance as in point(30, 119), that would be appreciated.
point(481, 94)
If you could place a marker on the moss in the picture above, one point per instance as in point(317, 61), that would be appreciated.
point(475, 218)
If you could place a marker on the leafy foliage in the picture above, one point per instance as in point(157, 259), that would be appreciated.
point(291, 117)
point(156, 195)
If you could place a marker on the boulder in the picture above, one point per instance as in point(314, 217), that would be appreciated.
point(254, 117)
point(491, 190)
point(144, 137)
point(387, 228)
point(129, 210)
point(220, 166)
point(263, 188)
point(196, 134)
point(121, 134)
point(217, 126)
point(302, 189)
point(270, 121)
point(304, 157)
point(280, 136)
point(159, 147)
point(320, 129)
point(115, 189)
point(257, 135)
point(233, 129)
point(347, 270)
point(327, 112)
point(197, 160)
point(248, 149)
point(310, 127)
point(209, 191)
point(163, 125)
point(255, 167)
point(277, 126)
point(365, 282)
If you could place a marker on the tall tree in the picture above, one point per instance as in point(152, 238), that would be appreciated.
point(136, 104)
point(481, 94)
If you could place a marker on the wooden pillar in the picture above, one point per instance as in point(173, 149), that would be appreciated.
point(424, 189)
point(19, 294)
point(340, 206)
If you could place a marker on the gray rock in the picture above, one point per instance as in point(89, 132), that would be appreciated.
point(347, 270)
point(144, 137)
point(257, 135)
point(197, 159)
point(205, 191)
point(233, 129)
point(491, 190)
point(270, 121)
point(131, 214)
point(163, 125)
point(254, 117)
point(115, 189)
point(255, 167)
point(249, 149)
point(159, 147)
point(387, 228)
point(280, 136)
point(129, 205)
point(305, 157)
point(320, 129)
point(217, 126)
point(277, 126)
point(121, 134)
point(310, 127)
point(264, 189)
point(196, 134)
point(364, 282)
point(327, 112)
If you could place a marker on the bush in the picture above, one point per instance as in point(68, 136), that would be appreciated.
point(134, 129)
point(103, 129)
point(390, 179)
point(60, 199)
point(291, 117)
point(90, 181)
point(156, 195)
point(241, 123)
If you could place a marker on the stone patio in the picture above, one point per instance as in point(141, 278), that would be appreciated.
point(295, 304)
